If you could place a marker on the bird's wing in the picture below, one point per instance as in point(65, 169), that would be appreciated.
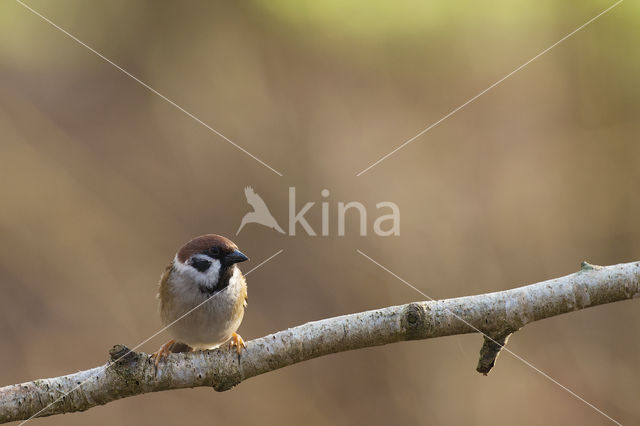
point(254, 200)
point(163, 287)
point(243, 291)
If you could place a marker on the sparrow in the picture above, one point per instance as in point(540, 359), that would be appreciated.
point(202, 296)
point(260, 213)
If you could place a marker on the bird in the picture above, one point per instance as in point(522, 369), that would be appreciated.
point(260, 213)
point(203, 295)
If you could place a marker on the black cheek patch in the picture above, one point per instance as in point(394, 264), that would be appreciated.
point(201, 264)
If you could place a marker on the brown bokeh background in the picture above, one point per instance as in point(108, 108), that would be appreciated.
point(101, 181)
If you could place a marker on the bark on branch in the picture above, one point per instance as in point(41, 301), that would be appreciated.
point(497, 315)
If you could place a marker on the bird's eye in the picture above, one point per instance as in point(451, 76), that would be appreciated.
point(200, 264)
point(214, 251)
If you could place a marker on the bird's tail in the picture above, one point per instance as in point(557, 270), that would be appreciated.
point(277, 228)
point(241, 225)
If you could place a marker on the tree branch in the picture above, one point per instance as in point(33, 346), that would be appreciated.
point(497, 315)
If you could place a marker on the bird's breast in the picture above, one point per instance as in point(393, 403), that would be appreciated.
point(199, 319)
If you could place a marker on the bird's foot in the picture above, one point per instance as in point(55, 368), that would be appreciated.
point(237, 341)
point(163, 352)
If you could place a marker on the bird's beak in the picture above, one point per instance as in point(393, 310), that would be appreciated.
point(235, 256)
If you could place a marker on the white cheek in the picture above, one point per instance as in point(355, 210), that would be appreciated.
point(213, 273)
point(208, 278)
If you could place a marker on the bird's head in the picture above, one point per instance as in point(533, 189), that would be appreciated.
point(208, 260)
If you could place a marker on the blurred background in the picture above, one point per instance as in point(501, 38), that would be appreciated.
point(101, 181)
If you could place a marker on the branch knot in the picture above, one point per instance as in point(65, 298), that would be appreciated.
point(415, 322)
point(120, 354)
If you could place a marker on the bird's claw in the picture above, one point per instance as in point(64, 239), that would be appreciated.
point(162, 353)
point(236, 340)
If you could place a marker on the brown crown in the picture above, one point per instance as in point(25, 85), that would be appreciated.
point(204, 242)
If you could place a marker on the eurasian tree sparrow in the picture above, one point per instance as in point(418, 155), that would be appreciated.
point(204, 268)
